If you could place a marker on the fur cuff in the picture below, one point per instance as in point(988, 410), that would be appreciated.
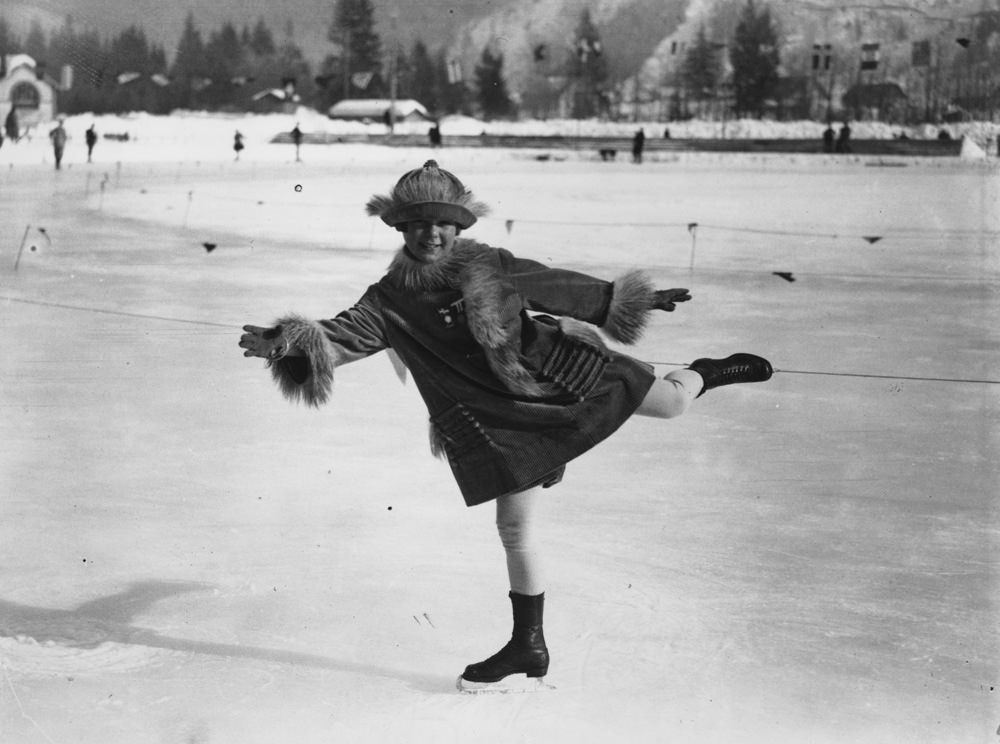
point(308, 378)
point(631, 303)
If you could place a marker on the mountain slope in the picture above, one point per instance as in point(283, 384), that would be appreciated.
point(642, 39)
point(436, 21)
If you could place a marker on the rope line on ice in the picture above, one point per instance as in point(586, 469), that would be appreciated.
point(122, 313)
point(207, 323)
point(904, 234)
point(861, 375)
point(888, 377)
point(847, 275)
point(909, 233)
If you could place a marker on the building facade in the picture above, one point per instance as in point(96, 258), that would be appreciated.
point(23, 90)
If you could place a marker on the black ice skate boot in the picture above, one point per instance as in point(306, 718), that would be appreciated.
point(525, 653)
point(732, 369)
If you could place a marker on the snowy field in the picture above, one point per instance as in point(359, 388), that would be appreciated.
point(186, 558)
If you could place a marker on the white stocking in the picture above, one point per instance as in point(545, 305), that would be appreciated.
point(671, 395)
point(516, 525)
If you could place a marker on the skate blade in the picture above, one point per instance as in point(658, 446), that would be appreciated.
point(512, 684)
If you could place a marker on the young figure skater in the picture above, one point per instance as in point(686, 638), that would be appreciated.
point(512, 397)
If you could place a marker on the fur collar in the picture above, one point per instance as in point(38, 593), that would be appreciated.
point(410, 274)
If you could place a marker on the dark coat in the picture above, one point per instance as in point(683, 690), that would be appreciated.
point(512, 396)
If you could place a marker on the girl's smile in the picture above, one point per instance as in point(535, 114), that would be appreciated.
point(428, 242)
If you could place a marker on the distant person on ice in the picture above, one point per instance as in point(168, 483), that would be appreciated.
point(638, 143)
point(512, 397)
point(297, 140)
point(844, 139)
point(434, 135)
point(828, 138)
point(58, 137)
point(91, 141)
point(11, 126)
point(238, 144)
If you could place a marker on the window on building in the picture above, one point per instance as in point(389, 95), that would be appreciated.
point(25, 96)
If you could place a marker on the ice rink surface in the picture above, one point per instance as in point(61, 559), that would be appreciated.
point(187, 558)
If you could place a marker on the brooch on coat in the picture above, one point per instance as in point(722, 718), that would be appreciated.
point(450, 313)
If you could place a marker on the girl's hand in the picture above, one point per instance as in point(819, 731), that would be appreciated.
point(267, 343)
point(665, 299)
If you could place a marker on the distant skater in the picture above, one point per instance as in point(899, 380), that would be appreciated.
point(844, 139)
point(11, 126)
point(512, 397)
point(238, 144)
point(58, 137)
point(638, 143)
point(297, 140)
point(828, 138)
point(91, 141)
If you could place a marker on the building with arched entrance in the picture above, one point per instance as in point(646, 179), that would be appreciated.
point(25, 91)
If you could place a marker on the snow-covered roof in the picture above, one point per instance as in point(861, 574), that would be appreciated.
point(19, 60)
point(278, 94)
point(375, 108)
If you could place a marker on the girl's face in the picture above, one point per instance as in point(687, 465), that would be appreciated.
point(428, 242)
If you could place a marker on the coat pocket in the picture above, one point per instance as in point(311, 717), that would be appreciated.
point(577, 361)
point(456, 432)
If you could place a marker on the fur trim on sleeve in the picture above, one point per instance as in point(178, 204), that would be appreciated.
point(308, 378)
point(631, 303)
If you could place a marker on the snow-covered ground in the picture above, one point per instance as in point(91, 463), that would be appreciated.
point(184, 557)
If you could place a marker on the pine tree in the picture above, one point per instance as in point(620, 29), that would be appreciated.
point(260, 68)
point(260, 41)
point(289, 62)
point(190, 66)
point(425, 87)
point(63, 51)
point(589, 68)
point(224, 57)
point(755, 60)
point(454, 94)
point(353, 29)
point(402, 68)
point(701, 68)
point(92, 77)
point(129, 53)
point(35, 45)
point(494, 101)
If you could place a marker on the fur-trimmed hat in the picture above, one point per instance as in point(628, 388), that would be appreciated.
point(429, 194)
